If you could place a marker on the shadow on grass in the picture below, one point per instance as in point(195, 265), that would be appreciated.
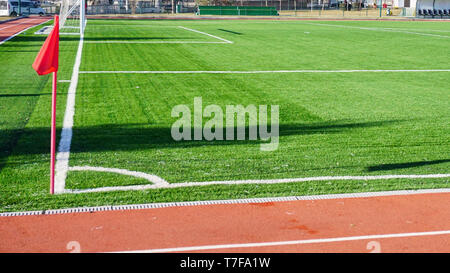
point(230, 31)
point(76, 38)
point(395, 166)
point(24, 95)
point(134, 137)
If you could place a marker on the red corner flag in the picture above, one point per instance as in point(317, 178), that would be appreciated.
point(47, 59)
point(46, 62)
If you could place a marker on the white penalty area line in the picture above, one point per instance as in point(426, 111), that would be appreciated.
point(266, 71)
point(207, 34)
point(296, 242)
point(223, 41)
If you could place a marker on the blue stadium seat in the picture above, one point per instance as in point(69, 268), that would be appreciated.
point(420, 12)
point(425, 12)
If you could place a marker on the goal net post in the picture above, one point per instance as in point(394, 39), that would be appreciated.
point(72, 17)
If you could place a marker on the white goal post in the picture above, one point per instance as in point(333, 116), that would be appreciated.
point(72, 17)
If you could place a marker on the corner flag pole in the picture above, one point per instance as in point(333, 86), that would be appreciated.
point(53, 136)
point(47, 62)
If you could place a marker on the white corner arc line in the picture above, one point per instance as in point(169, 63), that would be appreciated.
point(261, 71)
point(207, 34)
point(156, 180)
point(20, 32)
point(296, 242)
point(62, 157)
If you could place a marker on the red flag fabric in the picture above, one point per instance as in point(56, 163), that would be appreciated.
point(47, 60)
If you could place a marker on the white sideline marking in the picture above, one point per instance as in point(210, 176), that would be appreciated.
point(150, 177)
point(296, 242)
point(62, 157)
point(64, 80)
point(166, 185)
point(380, 29)
point(263, 71)
point(204, 33)
point(10, 37)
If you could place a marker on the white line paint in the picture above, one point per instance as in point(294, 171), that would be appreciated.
point(64, 81)
point(243, 182)
point(62, 157)
point(151, 42)
point(10, 37)
point(417, 29)
point(158, 181)
point(296, 242)
point(380, 29)
point(229, 201)
point(204, 33)
point(265, 71)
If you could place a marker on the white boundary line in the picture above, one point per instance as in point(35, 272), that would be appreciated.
point(62, 157)
point(20, 32)
point(229, 201)
point(379, 29)
point(296, 242)
point(263, 71)
point(160, 183)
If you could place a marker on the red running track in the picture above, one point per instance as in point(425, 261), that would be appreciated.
point(407, 223)
point(11, 28)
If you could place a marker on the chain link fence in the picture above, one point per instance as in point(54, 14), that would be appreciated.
point(285, 8)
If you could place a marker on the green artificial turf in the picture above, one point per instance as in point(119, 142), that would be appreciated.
point(330, 123)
